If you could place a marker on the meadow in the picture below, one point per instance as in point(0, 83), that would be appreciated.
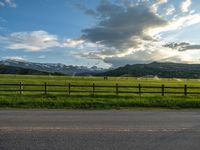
point(89, 100)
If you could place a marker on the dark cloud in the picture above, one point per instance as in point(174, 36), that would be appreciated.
point(184, 46)
point(86, 10)
point(119, 25)
point(191, 47)
point(107, 9)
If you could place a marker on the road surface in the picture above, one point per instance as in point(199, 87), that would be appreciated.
point(99, 130)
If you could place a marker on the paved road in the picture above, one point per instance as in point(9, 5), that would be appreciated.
point(99, 130)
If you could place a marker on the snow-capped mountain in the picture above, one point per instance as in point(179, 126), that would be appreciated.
point(53, 67)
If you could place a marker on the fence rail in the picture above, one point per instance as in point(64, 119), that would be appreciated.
point(93, 88)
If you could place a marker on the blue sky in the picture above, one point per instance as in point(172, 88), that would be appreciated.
point(100, 32)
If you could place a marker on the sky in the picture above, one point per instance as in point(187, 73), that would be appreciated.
point(105, 33)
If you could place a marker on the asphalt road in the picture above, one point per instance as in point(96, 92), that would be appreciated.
point(99, 130)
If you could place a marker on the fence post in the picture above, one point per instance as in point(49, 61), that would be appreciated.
point(117, 89)
point(185, 90)
point(93, 88)
point(139, 89)
point(45, 88)
point(163, 90)
point(69, 89)
point(21, 88)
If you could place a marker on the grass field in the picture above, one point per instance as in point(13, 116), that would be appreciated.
point(97, 101)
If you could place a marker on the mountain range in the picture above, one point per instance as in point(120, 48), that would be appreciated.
point(162, 70)
point(17, 70)
point(52, 68)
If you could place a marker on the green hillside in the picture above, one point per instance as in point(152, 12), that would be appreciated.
point(162, 70)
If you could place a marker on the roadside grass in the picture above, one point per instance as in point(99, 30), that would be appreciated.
point(98, 101)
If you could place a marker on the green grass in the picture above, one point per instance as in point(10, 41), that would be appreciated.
point(99, 101)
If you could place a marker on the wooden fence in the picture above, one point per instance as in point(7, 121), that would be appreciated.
point(102, 89)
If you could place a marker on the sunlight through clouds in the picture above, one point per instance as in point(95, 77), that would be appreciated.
point(127, 37)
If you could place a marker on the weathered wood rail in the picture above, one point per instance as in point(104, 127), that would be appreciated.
point(94, 88)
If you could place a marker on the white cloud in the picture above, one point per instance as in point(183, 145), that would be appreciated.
point(18, 58)
point(155, 52)
point(155, 6)
point(190, 57)
point(30, 41)
point(10, 3)
point(42, 57)
point(73, 42)
point(175, 24)
point(186, 5)
point(170, 10)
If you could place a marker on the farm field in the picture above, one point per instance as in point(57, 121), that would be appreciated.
point(108, 99)
point(98, 80)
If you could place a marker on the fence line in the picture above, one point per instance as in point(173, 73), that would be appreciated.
point(116, 89)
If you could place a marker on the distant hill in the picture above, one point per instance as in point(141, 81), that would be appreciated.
point(54, 67)
point(163, 70)
point(17, 70)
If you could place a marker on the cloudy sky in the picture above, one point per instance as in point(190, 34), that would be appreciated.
point(100, 32)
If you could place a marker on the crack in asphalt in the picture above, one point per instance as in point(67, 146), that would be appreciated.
point(32, 129)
